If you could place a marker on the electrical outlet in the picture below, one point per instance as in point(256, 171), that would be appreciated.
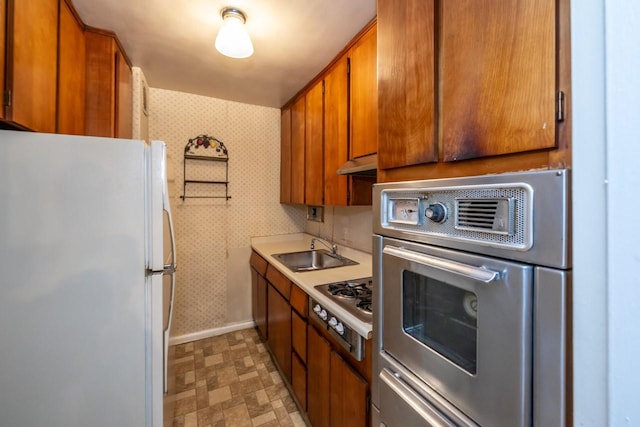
point(315, 213)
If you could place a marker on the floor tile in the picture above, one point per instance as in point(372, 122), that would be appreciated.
point(231, 381)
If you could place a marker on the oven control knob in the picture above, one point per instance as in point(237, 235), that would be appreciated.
point(436, 212)
point(323, 314)
point(317, 308)
point(333, 322)
point(340, 328)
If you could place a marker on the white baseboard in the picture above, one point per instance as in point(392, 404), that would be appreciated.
point(211, 332)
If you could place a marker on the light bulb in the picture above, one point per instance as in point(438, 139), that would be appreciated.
point(233, 40)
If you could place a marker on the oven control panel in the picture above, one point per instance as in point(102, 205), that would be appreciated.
point(493, 215)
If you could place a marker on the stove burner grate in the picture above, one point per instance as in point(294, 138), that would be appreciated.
point(350, 290)
point(365, 305)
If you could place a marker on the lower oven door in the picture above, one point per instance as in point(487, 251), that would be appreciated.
point(462, 324)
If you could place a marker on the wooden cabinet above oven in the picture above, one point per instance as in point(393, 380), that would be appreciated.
point(466, 89)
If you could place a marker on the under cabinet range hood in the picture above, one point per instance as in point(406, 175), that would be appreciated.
point(363, 166)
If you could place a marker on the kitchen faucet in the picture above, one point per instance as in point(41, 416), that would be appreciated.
point(333, 246)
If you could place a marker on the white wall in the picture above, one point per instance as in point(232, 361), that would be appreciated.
point(606, 172)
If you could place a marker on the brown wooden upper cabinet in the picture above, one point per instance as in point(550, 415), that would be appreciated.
point(31, 35)
point(285, 155)
point(3, 46)
point(333, 120)
point(314, 138)
point(59, 76)
point(108, 86)
point(297, 150)
point(336, 128)
point(495, 93)
point(71, 73)
point(364, 100)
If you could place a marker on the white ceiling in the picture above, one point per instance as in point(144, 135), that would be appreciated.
point(172, 42)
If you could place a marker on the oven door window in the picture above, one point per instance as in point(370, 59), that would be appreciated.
point(442, 317)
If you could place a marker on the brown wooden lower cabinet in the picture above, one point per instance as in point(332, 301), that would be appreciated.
point(318, 379)
point(299, 380)
point(328, 385)
point(336, 394)
point(349, 405)
point(279, 329)
point(259, 292)
point(261, 306)
point(259, 302)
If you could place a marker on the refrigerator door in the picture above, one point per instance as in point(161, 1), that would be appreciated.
point(161, 262)
point(73, 301)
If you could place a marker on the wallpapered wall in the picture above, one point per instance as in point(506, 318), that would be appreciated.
point(213, 236)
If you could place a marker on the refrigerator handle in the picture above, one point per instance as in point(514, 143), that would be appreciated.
point(171, 267)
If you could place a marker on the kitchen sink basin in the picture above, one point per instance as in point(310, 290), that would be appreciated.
point(317, 259)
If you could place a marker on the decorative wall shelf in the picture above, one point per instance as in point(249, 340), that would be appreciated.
point(205, 148)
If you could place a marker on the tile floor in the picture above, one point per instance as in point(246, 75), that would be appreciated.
point(231, 381)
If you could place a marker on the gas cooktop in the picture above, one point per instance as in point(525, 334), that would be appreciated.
point(353, 295)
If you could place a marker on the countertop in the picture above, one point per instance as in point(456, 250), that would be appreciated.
point(307, 280)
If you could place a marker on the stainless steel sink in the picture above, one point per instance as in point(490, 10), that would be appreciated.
point(318, 259)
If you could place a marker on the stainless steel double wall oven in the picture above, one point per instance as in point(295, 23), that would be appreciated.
point(471, 279)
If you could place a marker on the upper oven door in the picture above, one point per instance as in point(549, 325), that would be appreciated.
point(462, 324)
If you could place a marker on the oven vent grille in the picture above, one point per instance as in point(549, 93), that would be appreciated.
point(487, 215)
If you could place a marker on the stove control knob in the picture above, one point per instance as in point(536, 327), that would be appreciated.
point(333, 322)
point(436, 212)
point(323, 314)
point(340, 328)
point(317, 308)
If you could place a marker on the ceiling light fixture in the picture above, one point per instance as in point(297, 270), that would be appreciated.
point(233, 40)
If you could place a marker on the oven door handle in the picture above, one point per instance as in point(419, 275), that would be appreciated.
point(480, 274)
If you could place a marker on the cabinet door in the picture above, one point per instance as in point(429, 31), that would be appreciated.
point(124, 97)
point(299, 336)
point(498, 77)
point(101, 87)
point(109, 106)
point(71, 73)
point(297, 151)
point(254, 295)
point(406, 85)
point(285, 156)
point(318, 378)
point(3, 45)
point(279, 329)
point(364, 95)
point(261, 306)
point(336, 128)
point(349, 393)
point(32, 55)
point(314, 137)
point(299, 380)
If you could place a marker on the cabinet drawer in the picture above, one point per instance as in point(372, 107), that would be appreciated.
point(299, 301)
point(279, 281)
point(259, 263)
point(299, 335)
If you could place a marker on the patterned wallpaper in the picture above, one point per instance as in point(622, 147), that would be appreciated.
point(213, 235)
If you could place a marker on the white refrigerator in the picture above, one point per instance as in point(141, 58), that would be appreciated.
point(86, 281)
